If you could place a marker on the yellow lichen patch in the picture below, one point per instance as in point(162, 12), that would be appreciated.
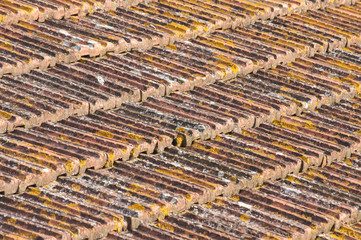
point(47, 202)
point(208, 205)
point(262, 152)
point(234, 67)
point(342, 64)
point(218, 138)
point(349, 80)
point(316, 173)
point(212, 149)
point(11, 221)
point(284, 145)
point(222, 57)
point(119, 224)
point(308, 175)
point(178, 171)
point(292, 179)
point(244, 218)
point(286, 89)
point(235, 198)
point(179, 140)
point(69, 166)
point(82, 163)
point(247, 133)
point(348, 50)
point(358, 132)
point(165, 226)
point(348, 162)
point(26, 24)
point(337, 235)
point(74, 206)
point(270, 237)
point(309, 125)
point(75, 19)
point(306, 217)
point(2, 18)
point(343, 189)
point(232, 179)
point(76, 187)
point(140, 189)
point(165, 210)
point(356, 106)
point(172, 47)
point(33, 191)
point(5, 115)
point(189, 197)
point(137, 207)
point(350, 232)
point(177, 28)
point(6, 46)
point(305, 159)
point(180, 129)
point(212, 43)
point(110, 161)
point(68, 139)
point(104, 134)
point(283, 124)
point(219, 201)
point(135, 137)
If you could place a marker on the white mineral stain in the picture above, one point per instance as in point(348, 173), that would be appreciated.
point(100, 80)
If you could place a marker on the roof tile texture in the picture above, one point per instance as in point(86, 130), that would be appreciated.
point(298, 207)
point(280, 139)
point(12, 11)
point(151, 187)
point(105, 83)
point(29, 45)
point(95, 141)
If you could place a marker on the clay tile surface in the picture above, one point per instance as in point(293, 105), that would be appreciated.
point(304, 153)
point(160, 23)
point(298, 207)
point(180, 119)
point(91, 84)
point(69, 90)
point(12, 11)
point(242, 106)
point(217, 12)
point(346, 232)
point(152, 187)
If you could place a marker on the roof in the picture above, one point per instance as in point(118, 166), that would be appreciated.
point(177, 119)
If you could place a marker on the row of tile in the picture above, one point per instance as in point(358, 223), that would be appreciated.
point(151, 187)
point(93, 141)
point(344, 233)
point(12, 11)
point(32, 99)
point(82, 88)
point(298, 207)
point(31, 45)
point(129, 194)
point(240, 12)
